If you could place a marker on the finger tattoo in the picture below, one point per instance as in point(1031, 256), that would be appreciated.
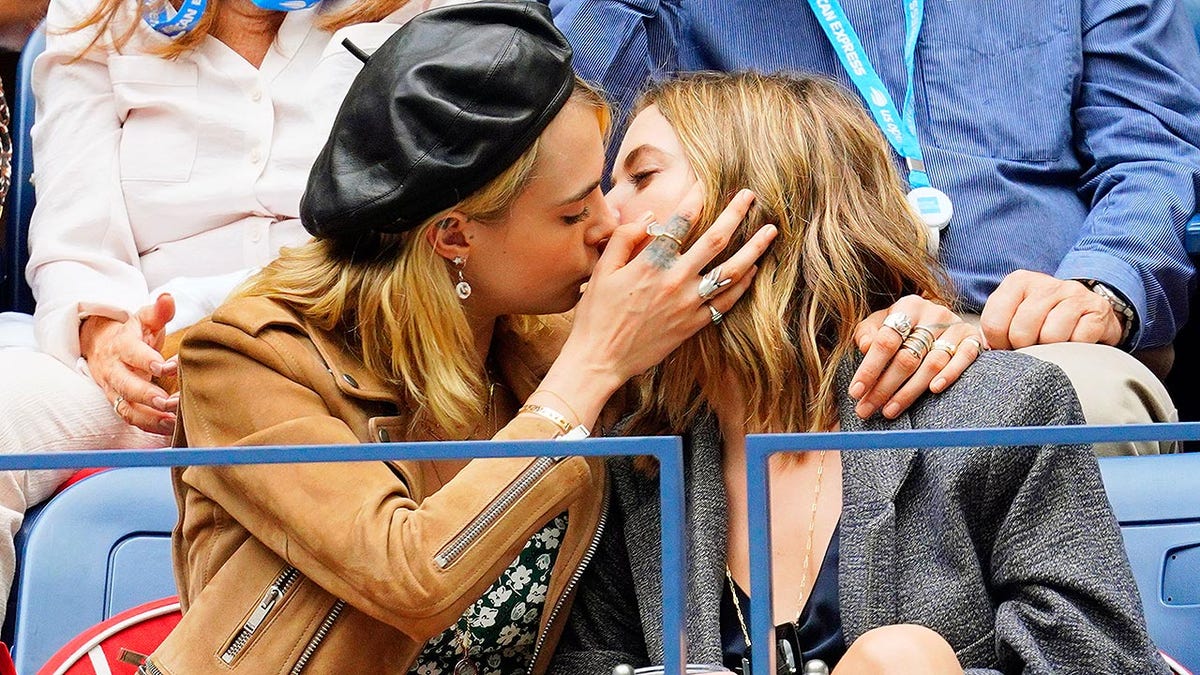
point(664, 250)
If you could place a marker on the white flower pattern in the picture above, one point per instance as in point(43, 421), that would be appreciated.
point(503, 624)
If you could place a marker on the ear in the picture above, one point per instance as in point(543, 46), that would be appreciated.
point(449, 237)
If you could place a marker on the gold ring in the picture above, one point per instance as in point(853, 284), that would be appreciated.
point(945, 346)
point(656, 230)
point(117, 406)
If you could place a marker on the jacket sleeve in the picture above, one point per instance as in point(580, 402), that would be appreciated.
point(1065, 596)
point(1137, 134)
point(604, 629)
point(355, 529)
point(83, 256)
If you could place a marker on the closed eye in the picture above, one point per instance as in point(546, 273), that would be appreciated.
point(578, 217)
point(639, 178)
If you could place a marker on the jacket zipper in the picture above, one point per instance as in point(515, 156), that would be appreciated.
point(319, 636)
point(275, 592)
point(575, 577)
point(523, 482)
point(148, 668)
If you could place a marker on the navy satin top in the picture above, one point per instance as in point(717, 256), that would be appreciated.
point(820, 627)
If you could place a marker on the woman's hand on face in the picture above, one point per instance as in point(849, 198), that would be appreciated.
point(891, 378)
point(124, 356)
point(643, 302)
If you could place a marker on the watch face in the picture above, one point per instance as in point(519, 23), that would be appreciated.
point(1124, 311)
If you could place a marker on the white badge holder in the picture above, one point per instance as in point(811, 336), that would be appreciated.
point(934, 209)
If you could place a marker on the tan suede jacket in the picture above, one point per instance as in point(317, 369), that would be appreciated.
point(346, 568)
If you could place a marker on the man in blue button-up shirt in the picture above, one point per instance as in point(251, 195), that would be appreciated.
point(1066, 132)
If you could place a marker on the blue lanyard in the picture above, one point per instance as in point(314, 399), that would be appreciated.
point(900, 128)
point(170, 22)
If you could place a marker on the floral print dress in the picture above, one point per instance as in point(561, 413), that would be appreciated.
point(502, 626)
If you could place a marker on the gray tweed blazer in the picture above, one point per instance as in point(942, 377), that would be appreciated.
point(1011, 554)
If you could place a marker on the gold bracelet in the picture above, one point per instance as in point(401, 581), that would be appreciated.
point(578, 419)
point(549, 414)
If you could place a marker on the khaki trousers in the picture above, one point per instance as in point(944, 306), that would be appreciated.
point(1113, 387)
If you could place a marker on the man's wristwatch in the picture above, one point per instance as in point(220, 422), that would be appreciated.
point(1124, 311)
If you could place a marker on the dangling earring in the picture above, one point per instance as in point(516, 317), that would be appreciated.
point(462, 288)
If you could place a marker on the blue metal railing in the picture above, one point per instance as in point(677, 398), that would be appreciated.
point(669, 453)
point(668, 450)
point(759, 449)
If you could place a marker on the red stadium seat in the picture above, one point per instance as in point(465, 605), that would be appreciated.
point(116, 646)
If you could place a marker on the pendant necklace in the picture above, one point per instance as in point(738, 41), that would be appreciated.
point(465, 665)
point(789, 654)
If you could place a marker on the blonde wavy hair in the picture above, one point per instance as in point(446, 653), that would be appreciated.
point(107, 11)
point(392, 298)
point(848, 245)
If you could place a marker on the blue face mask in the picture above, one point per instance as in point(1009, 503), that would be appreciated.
point(172, 23)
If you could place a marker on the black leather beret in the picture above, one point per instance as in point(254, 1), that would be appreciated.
point(444, 106)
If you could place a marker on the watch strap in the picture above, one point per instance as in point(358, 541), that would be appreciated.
point(1121, 307)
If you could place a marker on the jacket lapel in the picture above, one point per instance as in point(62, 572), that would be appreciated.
point(706, 526)
point(871, 479)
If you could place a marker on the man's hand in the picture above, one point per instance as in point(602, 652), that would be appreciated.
point(1031, 308)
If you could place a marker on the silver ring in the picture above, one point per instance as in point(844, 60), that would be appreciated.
point(117, 406)
point(716, 314)
point(711, 283)
point(917, 343)
point(899, 322)
point(978, 344)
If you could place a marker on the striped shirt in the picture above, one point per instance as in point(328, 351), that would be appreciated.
point(1066, 132)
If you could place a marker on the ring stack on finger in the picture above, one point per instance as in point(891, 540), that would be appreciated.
point(919, 340)
point(899, 322)
point(711, 283)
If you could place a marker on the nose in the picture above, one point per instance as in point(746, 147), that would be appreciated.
point(602, 225)
point(616, 200)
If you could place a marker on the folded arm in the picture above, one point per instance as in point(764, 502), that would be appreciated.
point(1140, 137)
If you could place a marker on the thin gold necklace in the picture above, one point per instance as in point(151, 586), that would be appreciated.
point(804, 573)
point(466, 665)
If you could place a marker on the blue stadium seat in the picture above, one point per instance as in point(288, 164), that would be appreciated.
point(100, 547)
point(14, 292)
point(1157, 501)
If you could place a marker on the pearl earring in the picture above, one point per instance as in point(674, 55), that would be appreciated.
point(462, 288)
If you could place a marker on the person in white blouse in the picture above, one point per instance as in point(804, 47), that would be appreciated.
point(167, 168)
